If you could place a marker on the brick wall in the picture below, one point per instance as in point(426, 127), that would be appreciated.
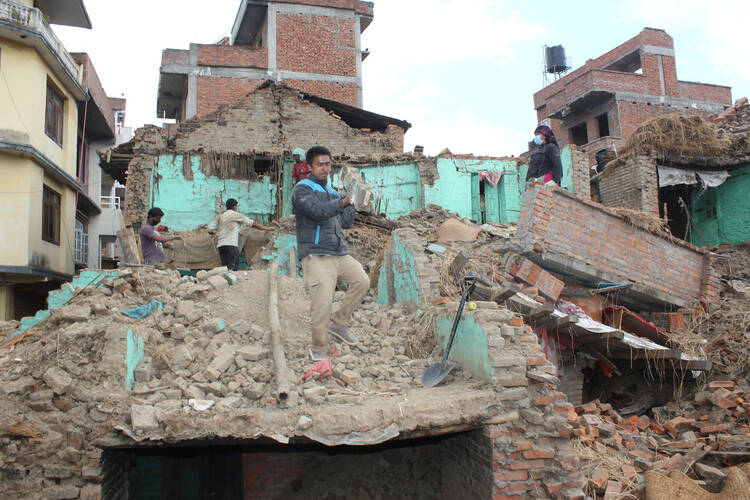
point(315, 44)
point(580, 169)
point(592, 239)
point(632, 184)
point(467, 467)
point(214, 91)
point(232, 56)
point(706, 92)
point(341, 92)
point(94, 85)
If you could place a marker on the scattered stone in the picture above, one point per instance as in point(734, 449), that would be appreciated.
point(252, 352)
point(20, 386)
point(315, 394)
point(143, 418)
point(180, 357)
point(71, 313)
point(200, 404)
point(304, 423)
point(144, 370)
point(58, 380)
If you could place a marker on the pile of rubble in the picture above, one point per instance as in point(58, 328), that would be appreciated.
point(699, 436)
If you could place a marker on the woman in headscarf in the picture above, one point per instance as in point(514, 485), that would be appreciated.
point(301, 168)
point(545, 164)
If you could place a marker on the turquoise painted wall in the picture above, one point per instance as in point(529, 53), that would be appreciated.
point(397, 189)
point(469, 345)
point(398, 281)
point(458, 188)
point(722, 214)
point(189, 203)
point(567, 178)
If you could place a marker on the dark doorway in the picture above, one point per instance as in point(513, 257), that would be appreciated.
point(579, 135)
point(674, 204)
point(603, 122)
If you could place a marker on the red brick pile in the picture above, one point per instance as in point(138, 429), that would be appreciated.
point(698, 437)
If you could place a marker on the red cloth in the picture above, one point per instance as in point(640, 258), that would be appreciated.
point(301, 171)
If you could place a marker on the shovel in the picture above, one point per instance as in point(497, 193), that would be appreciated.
point(438, 371)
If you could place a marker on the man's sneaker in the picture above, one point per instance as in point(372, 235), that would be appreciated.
point(342, 333)
point(316, 356)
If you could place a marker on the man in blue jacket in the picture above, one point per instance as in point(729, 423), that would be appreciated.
point(321, 214)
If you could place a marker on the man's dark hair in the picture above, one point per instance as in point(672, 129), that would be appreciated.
point(231, 203)
point(155, 212)
point(316, 151)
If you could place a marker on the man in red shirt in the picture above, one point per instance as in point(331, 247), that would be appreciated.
point(301, 168)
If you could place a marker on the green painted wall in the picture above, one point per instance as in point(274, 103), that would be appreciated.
point(469, 345)
point(189, 203)
point(722, 214)
point(133, 356)
point(397, 189)
point(398, 281)
point(567, 178)
point(458, 188)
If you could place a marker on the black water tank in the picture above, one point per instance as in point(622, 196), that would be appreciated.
point(555, 59)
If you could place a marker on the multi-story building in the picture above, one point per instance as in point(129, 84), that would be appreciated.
point(102, 125)
point(605, 100)
point(311, 45)
point(52, 107)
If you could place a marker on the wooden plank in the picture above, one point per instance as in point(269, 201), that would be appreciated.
point(673, 364)
point(730, 457)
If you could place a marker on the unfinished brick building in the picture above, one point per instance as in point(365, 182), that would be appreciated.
point(311, 45)
point(605, 100)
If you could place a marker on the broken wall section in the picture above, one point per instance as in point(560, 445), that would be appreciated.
point(632, 184)
point(278, 118)
point(590, 242)
point(406, 274)
point(529, 434)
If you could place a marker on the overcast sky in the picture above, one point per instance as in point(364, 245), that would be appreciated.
point(461, 72)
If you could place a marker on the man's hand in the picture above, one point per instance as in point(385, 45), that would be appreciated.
point(346, 201)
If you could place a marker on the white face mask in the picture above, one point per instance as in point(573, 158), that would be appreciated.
point(538, 140)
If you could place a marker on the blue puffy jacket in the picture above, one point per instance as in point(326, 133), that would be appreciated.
point(320, 218)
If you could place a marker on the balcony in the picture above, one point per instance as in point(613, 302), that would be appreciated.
point(27, 25)
point(111, 217)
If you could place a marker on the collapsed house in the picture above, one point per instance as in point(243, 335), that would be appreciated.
point(138, 380)
point(690, 171)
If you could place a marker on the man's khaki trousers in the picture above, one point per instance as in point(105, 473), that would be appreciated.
point(321, 272)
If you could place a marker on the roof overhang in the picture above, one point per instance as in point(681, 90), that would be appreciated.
point(357, 117)
point(96, 127)
point(590, 99)
point(65, 12)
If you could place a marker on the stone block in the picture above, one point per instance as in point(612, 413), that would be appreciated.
point(143, 418)
point(223, 359)
point(180, 357)
point(57, 471)
point(58, 380)
point(252, 352)
point(144, 370)
point(90, 473)
point(229, 403)
point(217, 282)
point(72, 313)
point(216, 271)
point(61, 492)
point(91, 492)
point(21, 385)
point(315, 394)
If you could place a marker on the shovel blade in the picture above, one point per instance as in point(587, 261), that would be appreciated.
point(435, 374)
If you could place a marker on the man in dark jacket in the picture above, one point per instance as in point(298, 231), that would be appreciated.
point(320, 215)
